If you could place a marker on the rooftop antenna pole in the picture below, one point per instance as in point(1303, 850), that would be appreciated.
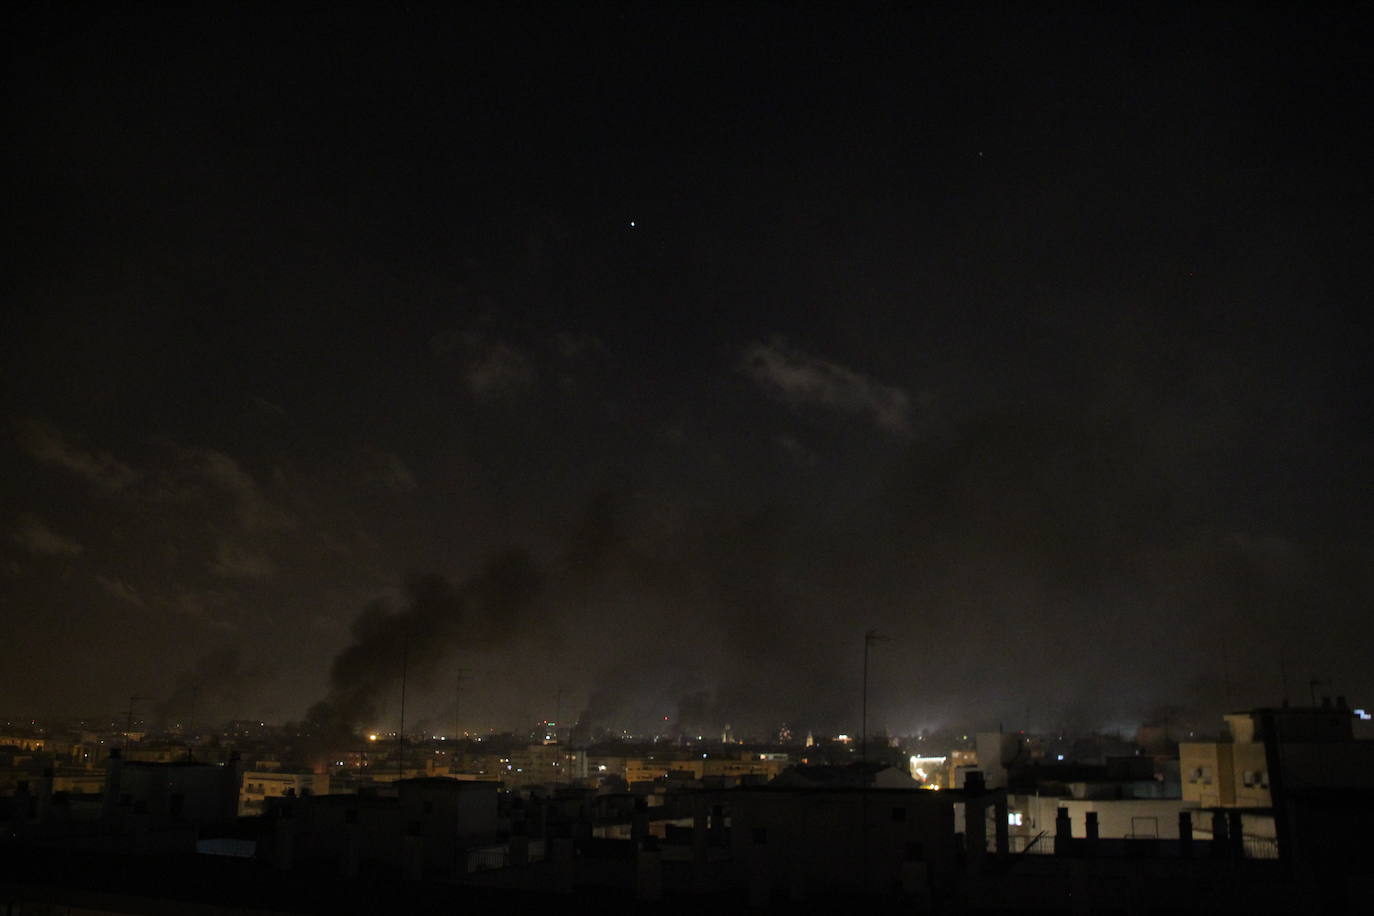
point(191, 719)
point(1283, 672)
point(458, 705)
point(863, 724)
point(190, 724)
point(401, 735)
point(557, 745)
point(1226, 675)
point(129, 722)
point(870, 637)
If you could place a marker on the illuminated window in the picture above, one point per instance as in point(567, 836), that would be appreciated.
point(1014, 818)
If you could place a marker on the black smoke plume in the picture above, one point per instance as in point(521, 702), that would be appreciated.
point(212, 687)
point(436, 619)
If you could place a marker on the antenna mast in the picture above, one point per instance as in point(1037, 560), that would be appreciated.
point(401, 735)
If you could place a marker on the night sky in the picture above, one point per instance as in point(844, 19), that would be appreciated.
point(654, 354)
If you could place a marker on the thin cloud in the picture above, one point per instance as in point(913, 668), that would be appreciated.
point(202, 606)
point(118, 588)
point(573, 345)
point(233, 561)
point(34, 535)
point(800, 378)
point(253, 510)
point(46, 445)
point(265, 409)
point(387, 469)
point(497, 370)
point(795, 450)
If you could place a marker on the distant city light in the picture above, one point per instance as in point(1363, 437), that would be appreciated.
point(371, 737)
point(1059, 757)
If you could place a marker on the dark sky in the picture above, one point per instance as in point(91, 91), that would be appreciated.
point(655, 354)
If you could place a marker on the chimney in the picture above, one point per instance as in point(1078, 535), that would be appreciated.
point(351, 852)
point(975, 828)
point(519, 850)
point(1220, 843)
point(23, 802)
point(639, 821)
point(284, 847)
point(649, 875)
point(1185, 834)
point(413, 853)
point(232, 786)
point(717, 828)
point(142, 828)
point(563, 853)
point(114, 766)
point(700, 820)
point(1063, 832)
point(43, 803)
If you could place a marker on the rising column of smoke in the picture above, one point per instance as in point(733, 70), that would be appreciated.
point(213, 686)
point(437, 618)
